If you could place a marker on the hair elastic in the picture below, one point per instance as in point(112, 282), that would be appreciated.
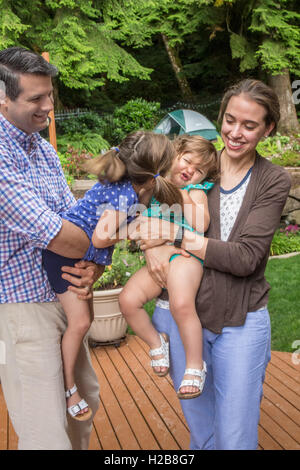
point(116, 149)
point(155, 176)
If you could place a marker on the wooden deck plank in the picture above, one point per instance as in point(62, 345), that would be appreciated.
point(283, 361)
point(288, 394)
point(115, 415)
point(139, 410)
point(110, 363)
point(165, 386)
point(12, 437)
point(167, 428)
point(3, 423)
point(281, 419)
point(280, 402)
point(291, 383)
point(277, 432)
point(94, 440)
point(266, 442)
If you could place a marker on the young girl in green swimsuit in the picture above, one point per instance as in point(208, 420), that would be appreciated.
point(195, 162)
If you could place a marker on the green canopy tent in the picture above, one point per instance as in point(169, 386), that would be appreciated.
point(186, 121)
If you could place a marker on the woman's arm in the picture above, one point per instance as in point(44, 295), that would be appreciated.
point(242, 256)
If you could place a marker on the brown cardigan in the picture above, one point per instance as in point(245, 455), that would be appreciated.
point(233, 280)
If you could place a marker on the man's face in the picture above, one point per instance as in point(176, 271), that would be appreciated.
point(29, 112)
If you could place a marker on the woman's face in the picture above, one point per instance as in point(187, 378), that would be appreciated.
point(243, 126)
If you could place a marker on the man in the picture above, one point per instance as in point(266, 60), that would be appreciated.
point(33, 192)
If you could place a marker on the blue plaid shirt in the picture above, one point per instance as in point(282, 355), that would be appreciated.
point(33, 191)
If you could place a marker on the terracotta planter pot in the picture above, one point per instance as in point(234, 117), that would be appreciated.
point(109, 325)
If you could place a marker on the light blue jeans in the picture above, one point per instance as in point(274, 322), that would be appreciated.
point(226, 414)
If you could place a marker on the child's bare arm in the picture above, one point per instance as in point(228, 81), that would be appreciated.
point(108, 230)
point(196, 209)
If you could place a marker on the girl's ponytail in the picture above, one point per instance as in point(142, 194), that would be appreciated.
point(166, 192)
point(108, 167)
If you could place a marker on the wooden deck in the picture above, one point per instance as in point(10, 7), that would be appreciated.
point(140, 411)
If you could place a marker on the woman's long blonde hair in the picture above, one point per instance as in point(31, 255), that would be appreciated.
point(142, 155)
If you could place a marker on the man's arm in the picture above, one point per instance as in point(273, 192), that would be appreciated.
point(71, 241)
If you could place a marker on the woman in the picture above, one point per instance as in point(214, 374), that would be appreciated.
point(245, 209)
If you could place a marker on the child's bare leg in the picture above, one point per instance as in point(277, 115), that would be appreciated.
point(184, 279)
point(79, 314)
point(139, 289)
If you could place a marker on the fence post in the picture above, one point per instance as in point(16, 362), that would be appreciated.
point(52, 130)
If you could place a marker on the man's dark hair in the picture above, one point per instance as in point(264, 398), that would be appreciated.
point(15, 61)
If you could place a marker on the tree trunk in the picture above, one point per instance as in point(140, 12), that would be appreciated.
point(184, 86)
point(281, 84)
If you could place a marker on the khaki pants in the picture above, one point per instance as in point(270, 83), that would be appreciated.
point(32, 377)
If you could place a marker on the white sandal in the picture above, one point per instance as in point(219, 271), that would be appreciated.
point(164, 361)
point(75, 410)
point(193, 382)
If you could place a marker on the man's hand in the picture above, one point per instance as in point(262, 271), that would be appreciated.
point(87, 272)
point(158, 262)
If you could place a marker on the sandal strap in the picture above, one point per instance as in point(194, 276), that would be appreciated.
point(163, 362)
point(197, 372)
point(71, 391)
point(163, 350)
point(75, 409)
point(193, 383)
point(157, 351)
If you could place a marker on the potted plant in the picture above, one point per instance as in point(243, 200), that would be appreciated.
point(109, 325)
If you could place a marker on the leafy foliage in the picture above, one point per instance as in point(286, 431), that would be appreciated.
point(88, 142)
point(124, 264)
point(78, 35)
point(286, 240)
point(88, 122)
point(72, 161)
point(135, 114)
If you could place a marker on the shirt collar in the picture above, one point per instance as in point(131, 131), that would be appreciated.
point(27, 141)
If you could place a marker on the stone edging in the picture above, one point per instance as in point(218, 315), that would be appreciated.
point(286, 255)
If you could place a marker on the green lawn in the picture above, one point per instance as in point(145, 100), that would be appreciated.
point(283, 274)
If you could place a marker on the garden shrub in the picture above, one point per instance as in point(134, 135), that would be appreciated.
point(84, 123)
point(124, 264)
point(286, 240)
point(134, 115)
point(72, 161)
point(89, 142)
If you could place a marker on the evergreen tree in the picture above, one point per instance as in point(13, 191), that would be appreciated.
point(265, 34)
point(78, 34)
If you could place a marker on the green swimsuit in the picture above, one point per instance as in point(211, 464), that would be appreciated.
point(156, 210)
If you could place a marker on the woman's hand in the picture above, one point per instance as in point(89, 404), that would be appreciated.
point(151, 228)
point(86, 273)
point(158, 262)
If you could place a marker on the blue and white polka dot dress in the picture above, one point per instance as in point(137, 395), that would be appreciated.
point(119, 196)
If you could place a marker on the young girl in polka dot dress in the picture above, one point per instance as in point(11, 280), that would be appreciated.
point(128, 175)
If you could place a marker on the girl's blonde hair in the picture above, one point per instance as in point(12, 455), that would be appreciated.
point(202, 148)
point(142, 155)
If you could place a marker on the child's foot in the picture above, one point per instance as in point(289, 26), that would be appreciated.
point(192, 383)
point(160, 362)
point(73, 400)
point(76, 406)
